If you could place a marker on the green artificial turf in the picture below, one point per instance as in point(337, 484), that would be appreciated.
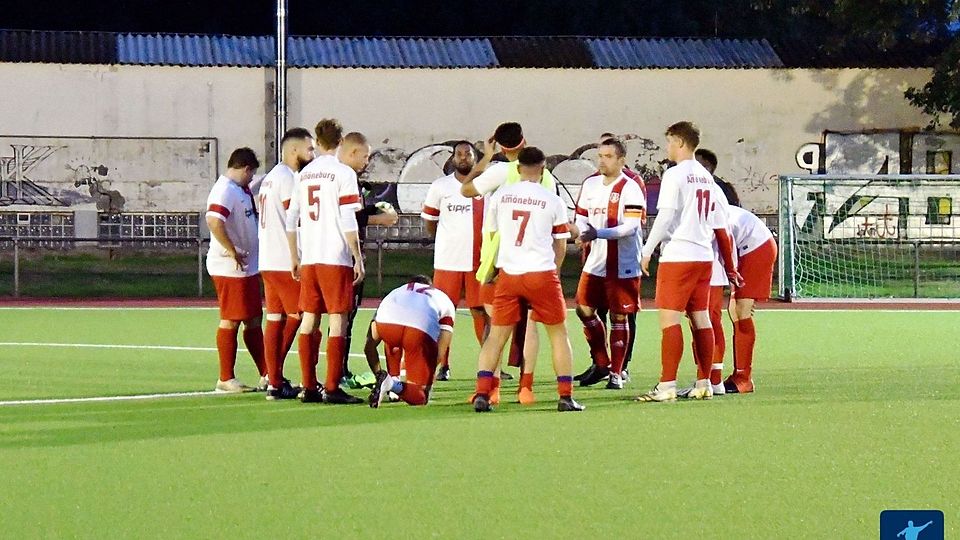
point(856, 412)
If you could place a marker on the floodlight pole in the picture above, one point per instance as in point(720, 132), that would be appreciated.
point(281, 85)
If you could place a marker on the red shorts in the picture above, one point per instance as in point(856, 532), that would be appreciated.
point(620, 295)
point(756, 268)
point(488, 291)
point(238, 297)
point(452, 283)
point(419, 350)
point(540, 290)
point(326, 288)
point(281, 291)
point(684, 286)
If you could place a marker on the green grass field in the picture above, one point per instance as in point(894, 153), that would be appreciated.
point(856, 412)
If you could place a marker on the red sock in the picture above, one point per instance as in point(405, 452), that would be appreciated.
point(744, 339)
point(596, 336)
point(271, 351)
point(291, 329)
point(309, 348)
point(485, 382)
point(619, 338)
point(526, 381)
point(719, 340)
point(335, 346)
point(253, 339)
point(703, 343)
point(479, 325)
point(671, 351)
point(413, 394)
point(565, 385)
point(227, 351)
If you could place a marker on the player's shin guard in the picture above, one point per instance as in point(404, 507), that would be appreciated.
point(335, 348)
point(671, 351)
point(744, 339)
point(227, 351)
point(596, 336)
point(272, 336)
point(619, 338)
point(564, 385)
point(703, 342)
point(253, 339)
point(308, 347)
point(413, 394)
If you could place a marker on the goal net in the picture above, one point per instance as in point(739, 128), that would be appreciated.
point(870, 236)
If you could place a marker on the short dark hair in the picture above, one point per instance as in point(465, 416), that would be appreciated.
point(464, 142)
point(688, 132)
point(707, 156)
point(242, 158)
point(422, 279)
point(607, 135)
point(294, 134)
point(508, 135)
point(329, 133)
point(355, 137)
point(531, 155)
point(617, 145)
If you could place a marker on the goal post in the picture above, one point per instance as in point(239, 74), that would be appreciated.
point(869, 236)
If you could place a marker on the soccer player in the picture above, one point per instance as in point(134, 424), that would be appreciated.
point(609, 211)
point(709, 161)
point(456, 223)
point(281, 290)
point(692, 212)
point(487, 178)
point(415, 320)
point(756, 257)
point(325, 204)
point(532, 221)
point(232, 263)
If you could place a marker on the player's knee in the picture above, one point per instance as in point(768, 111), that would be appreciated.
point(584, 312)
point(618, 318)
point(229, 325)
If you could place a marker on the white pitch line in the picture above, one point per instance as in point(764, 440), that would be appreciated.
point(109, 398)
point(135, 347)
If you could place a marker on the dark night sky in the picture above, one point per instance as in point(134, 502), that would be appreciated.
point(376, 17)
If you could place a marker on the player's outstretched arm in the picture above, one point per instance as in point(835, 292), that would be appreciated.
point(370, 348)
point(559, 252)
point(443, 343)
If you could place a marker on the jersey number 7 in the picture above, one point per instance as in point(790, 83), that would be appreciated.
point(524, 217)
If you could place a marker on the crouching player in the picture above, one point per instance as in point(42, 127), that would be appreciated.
point(532, 222)
point(414, 320)
point(757, 254)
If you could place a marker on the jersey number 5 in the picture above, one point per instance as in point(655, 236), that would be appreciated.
point(703, 204)
point(314, 202)
point(524, 217)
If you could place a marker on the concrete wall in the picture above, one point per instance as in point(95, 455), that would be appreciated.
point(755, 120)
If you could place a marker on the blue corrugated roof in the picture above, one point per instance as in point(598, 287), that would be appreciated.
point(390, 52)
point(195, 50)
point(634, 53)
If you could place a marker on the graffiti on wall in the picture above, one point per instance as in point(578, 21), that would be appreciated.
point(882, 152)
point(109, 175)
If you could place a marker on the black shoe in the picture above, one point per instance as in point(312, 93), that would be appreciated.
point(481, 403)
point(594, 375)
point(504, 376)
point(443, 374)
point(567, 404)
point(379, 392)
point(284, 392)
point(585, 372)
point(311, 395)
point(730, 387)
point(339, 397)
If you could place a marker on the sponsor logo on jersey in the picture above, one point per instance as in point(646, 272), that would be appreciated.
point(459, 208)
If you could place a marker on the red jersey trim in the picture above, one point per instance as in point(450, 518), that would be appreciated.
point(446, 321)
point(222, 210)
point(349, 199)
point(431, 211)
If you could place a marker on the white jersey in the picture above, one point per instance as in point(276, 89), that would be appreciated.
point(460, 220)
point(233, 205)
point(494, 176)
point(748, 231)
point(701, 207)
point(604, 206)
point(528, 217)
point(327, 187)
point(273, 200)
point(418, 306)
